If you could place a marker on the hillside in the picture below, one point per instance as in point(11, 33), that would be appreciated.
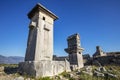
point(10, 59)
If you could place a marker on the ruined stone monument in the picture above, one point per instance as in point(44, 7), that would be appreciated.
point(75, 51)
point(106, 58)
point(98, 52)
point(39, 52)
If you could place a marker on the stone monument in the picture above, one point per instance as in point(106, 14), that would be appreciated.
point(98, 52)
point(75, 51)
point(39, 52)
point(40, 39)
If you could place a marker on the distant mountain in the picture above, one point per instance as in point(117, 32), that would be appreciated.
point(11, 59)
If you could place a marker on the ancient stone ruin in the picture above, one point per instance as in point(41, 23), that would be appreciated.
point(39, 52)
point(105, 58)
point(98, 52)
point(39, 61)
point(75, 51)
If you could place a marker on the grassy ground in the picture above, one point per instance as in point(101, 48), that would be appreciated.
point(9, 71)
point(9, 65)
point(89, 77)
point(114, 69)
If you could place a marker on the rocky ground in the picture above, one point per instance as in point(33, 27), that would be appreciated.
point(109, 72)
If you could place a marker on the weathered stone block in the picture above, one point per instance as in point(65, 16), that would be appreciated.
point(43, 68)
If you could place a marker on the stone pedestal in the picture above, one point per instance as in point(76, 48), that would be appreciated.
point(43, 68)
point(76, 61)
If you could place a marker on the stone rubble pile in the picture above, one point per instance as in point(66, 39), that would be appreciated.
point(99, 72)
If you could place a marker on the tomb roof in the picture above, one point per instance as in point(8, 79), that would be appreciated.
point(40, 7)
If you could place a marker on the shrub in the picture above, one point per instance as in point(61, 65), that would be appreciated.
point(65, 74)
point(45, 78)
point(72, 79)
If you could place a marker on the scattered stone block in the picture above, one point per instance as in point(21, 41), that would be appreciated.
point(99, 74)
point(110, 75)
point(102, 69)
point(88, 68)
point(1, 68)
point(19, 78)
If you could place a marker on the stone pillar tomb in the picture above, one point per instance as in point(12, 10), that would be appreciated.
point(39, 52)
point(75, 51)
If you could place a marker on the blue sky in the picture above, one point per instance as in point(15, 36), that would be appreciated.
point(97, 22)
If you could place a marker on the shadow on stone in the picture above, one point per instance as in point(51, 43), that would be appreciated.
point(10, 70)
